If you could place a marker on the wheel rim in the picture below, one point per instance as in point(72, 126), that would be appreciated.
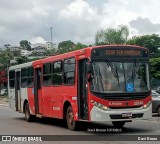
point(70, 119)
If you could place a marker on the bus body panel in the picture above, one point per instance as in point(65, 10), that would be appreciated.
point(98, 115)
point(11, 93)
point(40, 101)
point(22, 92)
point(30, 96)
point(54, 99)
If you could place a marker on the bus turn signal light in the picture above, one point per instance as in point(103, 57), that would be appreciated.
point(147, 105)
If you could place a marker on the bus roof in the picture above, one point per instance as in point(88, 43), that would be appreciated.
point(20, 66)
point(67, 55)
point(78, 52)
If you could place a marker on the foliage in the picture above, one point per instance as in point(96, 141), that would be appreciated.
point(25, 44)
point(50, 52)
point(30, 60)
point(155, 68)
point(16, 53)
point(152, 42)
point(21, 59)
point(65, 46)
point(80, 46)
point(5, 57)
point(34, 53)
point(7, 45)
point(112, 35)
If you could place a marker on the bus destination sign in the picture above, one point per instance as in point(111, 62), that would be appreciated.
point(123, 53)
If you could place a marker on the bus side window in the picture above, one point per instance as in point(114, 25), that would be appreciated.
point(47, 81)
point(24, 77)
point(57, 73)
point(30, 76)
point(69, 71)
point(11, 79)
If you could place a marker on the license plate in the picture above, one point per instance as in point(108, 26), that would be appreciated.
point(127, 115)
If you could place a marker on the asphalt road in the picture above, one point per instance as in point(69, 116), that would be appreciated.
point(13, 123)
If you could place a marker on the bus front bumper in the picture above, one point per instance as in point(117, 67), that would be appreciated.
point(98, 115)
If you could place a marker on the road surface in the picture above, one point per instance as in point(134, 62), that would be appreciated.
point(13, 123)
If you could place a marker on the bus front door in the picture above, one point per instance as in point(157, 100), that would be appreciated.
point(38, 91)
point(82, 90)
point(17, 92)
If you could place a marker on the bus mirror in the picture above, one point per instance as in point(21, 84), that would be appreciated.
point(88, 68)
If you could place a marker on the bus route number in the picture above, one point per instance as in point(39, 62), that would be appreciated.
point(137, 103)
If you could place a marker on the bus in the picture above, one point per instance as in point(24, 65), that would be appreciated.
point(107, 83)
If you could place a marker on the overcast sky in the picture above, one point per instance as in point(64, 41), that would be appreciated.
point(76, 20)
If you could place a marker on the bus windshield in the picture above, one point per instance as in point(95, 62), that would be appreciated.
point(120, 77)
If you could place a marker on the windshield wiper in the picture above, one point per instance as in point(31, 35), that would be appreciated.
point(114, 71)
point(135, 68)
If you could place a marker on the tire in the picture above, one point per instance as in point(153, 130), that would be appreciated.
point(28, 116)
point(158, 110)
point(118, 124)
point(71, 123)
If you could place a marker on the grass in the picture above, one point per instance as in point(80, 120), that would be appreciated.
point(4, 98)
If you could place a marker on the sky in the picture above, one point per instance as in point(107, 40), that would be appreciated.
point(75, 20)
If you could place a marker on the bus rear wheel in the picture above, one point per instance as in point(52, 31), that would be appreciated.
point(118, 124)
point(71, 123)
point(28, 116)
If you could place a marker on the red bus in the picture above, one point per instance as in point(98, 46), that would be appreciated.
point(95, 84)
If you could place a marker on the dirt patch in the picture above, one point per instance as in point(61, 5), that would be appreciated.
point(4, 100)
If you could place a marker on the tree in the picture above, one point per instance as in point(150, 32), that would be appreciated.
point(7, 45)
point(5, 58)
point(21, 59)
point(80, 46)
point(65, 46)
point(16, 53)
point(50, 52)
point(112, 35)
point(155, 72)
point(25, 44)
point(34, 53)
point(152, 42)
point(155, 68)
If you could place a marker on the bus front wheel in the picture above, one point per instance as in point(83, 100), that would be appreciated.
point(28, 116)
point(71, 123)
point(118, 124)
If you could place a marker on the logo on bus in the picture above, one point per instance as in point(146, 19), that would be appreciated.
point(115, 103)
point(130, 87)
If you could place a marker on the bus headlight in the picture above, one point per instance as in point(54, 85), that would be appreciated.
point(147, 105)
point(100, 106)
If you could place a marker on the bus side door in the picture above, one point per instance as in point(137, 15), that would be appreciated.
point(82, 90)
point(38, 91)
point(17, 91)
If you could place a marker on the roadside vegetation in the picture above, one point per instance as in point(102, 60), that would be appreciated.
point(118, 35)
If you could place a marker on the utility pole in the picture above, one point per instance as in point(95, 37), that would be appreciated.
point(51, 33)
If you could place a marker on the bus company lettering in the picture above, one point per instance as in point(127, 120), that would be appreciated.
point(115, 103)
point(56, 108)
